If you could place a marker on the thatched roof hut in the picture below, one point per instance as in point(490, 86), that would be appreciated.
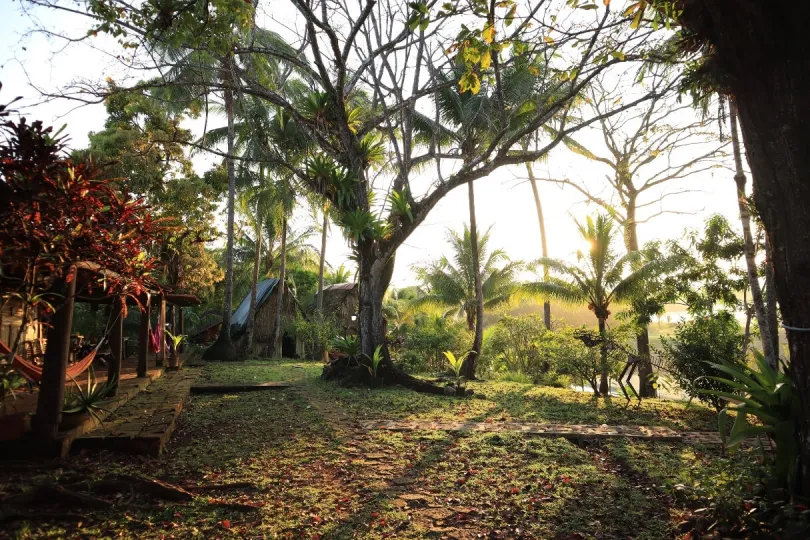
point(341, 301)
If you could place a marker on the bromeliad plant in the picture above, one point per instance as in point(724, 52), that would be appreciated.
point(767, 395)
point(86, 400)
point(177, 340)
point(348, 346)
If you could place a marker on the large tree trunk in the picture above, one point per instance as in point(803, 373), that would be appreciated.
point(645, 371)
point(762, 51)
point(280, 296)
point(322, 265)
point(604, 383)
point(251, 321)
point(770, 300)
point(222, 349)
point(543, 245)
point(748, 244)
point(468, 368)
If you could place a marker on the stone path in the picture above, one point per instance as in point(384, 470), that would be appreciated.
point(144, 423)
point(567, 431)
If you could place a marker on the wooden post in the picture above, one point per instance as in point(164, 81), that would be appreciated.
point(116, 342)
point(52, 386)
point(181, 320)
point(161, 355)
point(143, 337)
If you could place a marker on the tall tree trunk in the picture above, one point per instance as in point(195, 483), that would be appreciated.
point(748, 244)
point(322, 265)
point(770, 300)
point(251, 321)
point(604, 383)
point(468, 368)
point(543, 245)
point(223, 349)
point(277, 349)
point(645, 370)
point(764, 56)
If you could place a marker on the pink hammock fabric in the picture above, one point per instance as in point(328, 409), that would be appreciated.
point(155, 337)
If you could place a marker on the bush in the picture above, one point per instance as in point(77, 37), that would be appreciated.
point(518, 345)
point(315, 334)
point(715, 338)
point(423, 343)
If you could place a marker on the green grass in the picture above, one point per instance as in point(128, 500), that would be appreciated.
point(507, 401)
point(317, 477)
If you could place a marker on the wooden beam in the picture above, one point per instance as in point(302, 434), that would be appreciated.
point(181, 320)
point(143, 338)
point(52, 386)
point(161, 355)
point(116, 343)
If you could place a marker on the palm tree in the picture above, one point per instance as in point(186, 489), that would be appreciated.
point(600, 279)
point(450, 285)
point(466, 121)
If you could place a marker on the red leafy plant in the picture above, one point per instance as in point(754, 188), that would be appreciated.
point(57, 214)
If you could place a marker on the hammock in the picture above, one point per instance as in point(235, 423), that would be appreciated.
point(155, 338)
point(33, 372)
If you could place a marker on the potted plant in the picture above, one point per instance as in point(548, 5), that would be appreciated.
point(84, 401)
point(177, 340)
point(12, 425)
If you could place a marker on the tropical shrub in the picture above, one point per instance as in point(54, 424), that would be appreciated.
point(767, 395)
point(519, 345)
point(697, 347)
point(424, 341)
point(315, 334)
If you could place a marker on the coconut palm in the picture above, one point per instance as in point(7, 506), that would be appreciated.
point(601, 278)
point(465, 121)
point(194, 77)
point(449, 285)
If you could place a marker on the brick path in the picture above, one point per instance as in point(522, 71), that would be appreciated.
point(144, 423)
point(568, 431)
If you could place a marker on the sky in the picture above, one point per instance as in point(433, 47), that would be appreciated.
point(504, 200)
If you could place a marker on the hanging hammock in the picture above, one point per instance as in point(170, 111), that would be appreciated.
point(33, 372)
point(155, 337)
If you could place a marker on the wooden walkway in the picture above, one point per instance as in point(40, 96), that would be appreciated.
point(144, 424)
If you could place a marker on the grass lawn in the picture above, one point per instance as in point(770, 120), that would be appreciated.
point(304, 473)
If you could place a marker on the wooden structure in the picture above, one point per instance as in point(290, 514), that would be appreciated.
point(264, 325)
point(341, 301)
point(85, 288)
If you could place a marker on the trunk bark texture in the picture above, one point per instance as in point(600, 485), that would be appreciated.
point(604, 383)
point(251, 321)
point(280, 301)
point(543, 244)
point(761, 51)
point(468, 368)
point(322, 266)
point(748, 244)
point(223, 349)
point(770, 300)
point(645, 371)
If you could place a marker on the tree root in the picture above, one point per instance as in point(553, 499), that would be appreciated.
point(226, 486)
point(349, 373)
point(55, 494)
